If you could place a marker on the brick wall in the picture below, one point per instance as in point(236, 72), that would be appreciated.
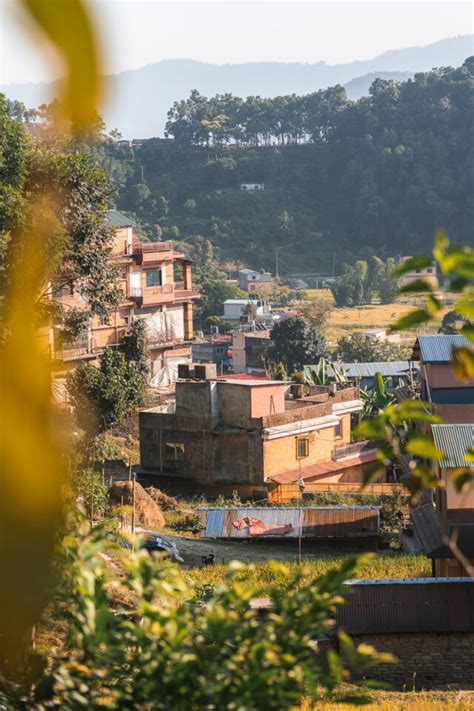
point(426, 659)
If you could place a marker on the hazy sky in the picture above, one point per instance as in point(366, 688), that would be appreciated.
point(140, 32)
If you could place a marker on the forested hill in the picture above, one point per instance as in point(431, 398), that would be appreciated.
point(342, 179)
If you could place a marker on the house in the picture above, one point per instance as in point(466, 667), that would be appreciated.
point(213, 349)
point(157, 287)
point(428, 274)
point(247, 348)
point(426, 623)
point(251, 187)
point(452, 399)
point(234, 309)
point(451, 514)
point(251, 280)
point(249, 435)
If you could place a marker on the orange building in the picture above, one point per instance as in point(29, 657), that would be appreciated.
point(157, 287)
point(252, 436)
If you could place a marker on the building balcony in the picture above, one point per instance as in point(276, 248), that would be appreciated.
point(148, 252)
point(152, 295)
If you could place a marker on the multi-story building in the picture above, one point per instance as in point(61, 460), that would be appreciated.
point(247, 349)
point(156, 283)
point(249, 435)
point(426, 273)
point(251, 280)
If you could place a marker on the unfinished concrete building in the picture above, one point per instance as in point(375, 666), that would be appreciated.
point(249, 436)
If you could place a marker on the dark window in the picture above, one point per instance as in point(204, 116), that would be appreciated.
point(302, 447)
point(174, 451)
point(429, 270)
point(153, 277)
point(338, 430)
point(418, 271)
point(63, 291)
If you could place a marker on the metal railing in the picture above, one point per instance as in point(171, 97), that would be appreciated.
point(148, 247)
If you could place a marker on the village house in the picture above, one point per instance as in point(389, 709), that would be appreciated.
point(396, 374)
point(450, 515)
point(251, 187)
point(213, 349)
point(251, 280)
point(157, 287)
point(428, 274)
point(224, 434)
point(247, 348)
point(452, 399)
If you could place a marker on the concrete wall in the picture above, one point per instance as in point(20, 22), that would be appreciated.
point(280, 455)
point(234, 405)
point(456, 414)
point(426, 659)
point(268, 400)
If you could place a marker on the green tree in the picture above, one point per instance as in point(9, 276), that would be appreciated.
point(296, 343)
point(357, 348)
point(102, 397)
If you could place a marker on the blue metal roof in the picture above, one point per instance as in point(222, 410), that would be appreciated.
point(454, 440)
point(116, 219)
point(438, 349)
point(368, 370)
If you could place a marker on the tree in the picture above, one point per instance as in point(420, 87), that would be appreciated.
point(376, 399)
point(358, 348)
point(317, 312)
point(295, 343)
point(102, 397)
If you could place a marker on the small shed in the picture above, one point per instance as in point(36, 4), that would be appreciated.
point(316, 522)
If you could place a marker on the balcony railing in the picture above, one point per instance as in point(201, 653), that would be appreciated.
point(350, 450)
point(147, 247)
point(135, 291)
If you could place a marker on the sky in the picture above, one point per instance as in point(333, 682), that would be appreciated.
point(141, 32)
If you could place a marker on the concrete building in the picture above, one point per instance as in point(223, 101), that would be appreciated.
point(246, 350)
point(213, 349)
point(396, 374)
point(249, 436)
point(453, 399)
point(234, 309)
point(251, 280)
point(428, 274)
point(156, 282)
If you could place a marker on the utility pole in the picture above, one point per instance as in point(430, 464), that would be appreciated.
point(133, 501)
point(277, 252)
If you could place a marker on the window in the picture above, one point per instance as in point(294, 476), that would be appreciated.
point(429, 270)
point(63, 291)
point(174, 451)
point(418, 271)
point(219, 351)
point(338, 430)
point(153, 277)
point(302, 447)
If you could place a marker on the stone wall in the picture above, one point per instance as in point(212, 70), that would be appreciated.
point(426, 659)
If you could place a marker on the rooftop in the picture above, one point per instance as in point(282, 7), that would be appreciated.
point(368, 370)
point(438, 349)
point(117, 219)
point(454, 441)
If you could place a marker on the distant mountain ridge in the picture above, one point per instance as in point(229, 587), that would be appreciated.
point(139, 99)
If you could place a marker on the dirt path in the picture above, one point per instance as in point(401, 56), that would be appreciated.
point(193, 549)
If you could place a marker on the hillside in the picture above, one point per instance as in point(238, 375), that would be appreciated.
point(342, 180)
point(139, 99)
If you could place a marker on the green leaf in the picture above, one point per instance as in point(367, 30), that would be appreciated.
point(468, 331)
point(463, 363)
point(417, 286)
point(411, 320)
point(433, 304)
point(423, 446)
point(465, 307)
point(419, 261)
point(461, 477)
point(372, 472)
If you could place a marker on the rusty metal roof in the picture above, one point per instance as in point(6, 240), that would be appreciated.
point(408, 605)
point(321, 468)
point(454, 440)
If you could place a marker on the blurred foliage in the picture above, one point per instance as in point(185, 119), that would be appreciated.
point(164, 648)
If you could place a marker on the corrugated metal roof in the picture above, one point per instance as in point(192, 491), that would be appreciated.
point(368, 370)
point(453, 441)
point(438, 349)
point(116, 219)
point(290, 522)
point(429, 531)
point(384, 607)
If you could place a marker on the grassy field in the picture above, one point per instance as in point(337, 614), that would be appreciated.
point(404, 701)
point(261, 574)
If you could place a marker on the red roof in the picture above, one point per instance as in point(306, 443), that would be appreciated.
point(321, 468)
point(245, 376)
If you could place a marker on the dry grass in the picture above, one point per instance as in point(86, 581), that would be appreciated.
point(403, 701)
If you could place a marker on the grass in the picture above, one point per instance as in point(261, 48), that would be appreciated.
point(264, 577)
point(404, 701)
